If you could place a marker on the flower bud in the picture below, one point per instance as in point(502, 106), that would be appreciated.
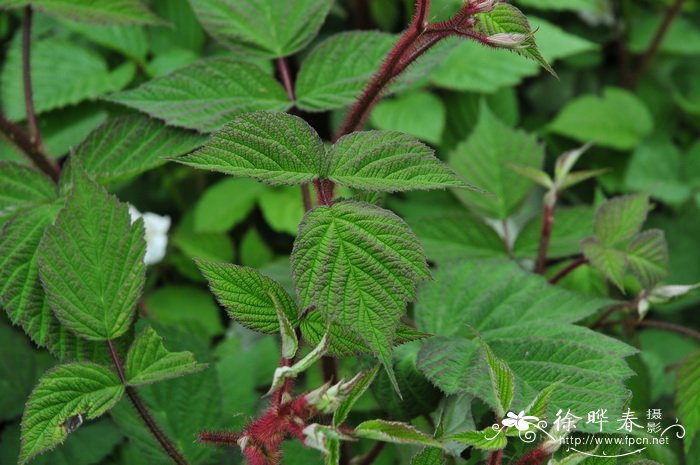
point(316, 436)
point(484, 6)
point(328, 398)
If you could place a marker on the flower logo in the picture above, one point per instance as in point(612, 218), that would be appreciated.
point(520, 421)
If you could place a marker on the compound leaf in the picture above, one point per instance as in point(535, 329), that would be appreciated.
point(248, 296)
point(91, 262)
point(275, 148)
point(620, 219)
point(394, 431)
point(84, 389)
point(358, 264)
point(387, 161)
point(206, 94)
point(149, 361)
point(647, 256)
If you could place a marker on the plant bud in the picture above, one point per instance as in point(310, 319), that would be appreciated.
point(484, 6)
point(508, 40)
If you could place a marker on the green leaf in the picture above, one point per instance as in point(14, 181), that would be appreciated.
point(616, 119)
point(527, 323)
point(609, 260)
point(420, 114)
point(620, 218)
point(647, 255)
point(555, 43)
point(66, 391)
point(127, 146)
point(255, 252)
point(335, 72)
point(249, 297)
point(428, 456)
point(267, 28)
point(91, 262)
point(571, 226)
point(149, 361)
point(185, 33)
point(657, 167)
point(688, 397)
point(18, 367)
point(488, 439)
point(387, 161)
point(206, 94)
point(473, 67)
point(288, 336)
point(505, 18)
point(483, 160)
point(282, 208)
point(63, 73)
point(128, 40)
point(358, 264)
point(275, 148)
point(358, 389)
point(184, 306)
point(394, 431)
point(89, 11)
point(22, 187)
point(451, 236)
point(210, 246)
point(225, 204)
point(681, 38)
point(501, 379)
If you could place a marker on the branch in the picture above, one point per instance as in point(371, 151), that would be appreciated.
point(373, 453)
point(676, 328)
point(495, 457)
point(581, 260)
point(17, 136)
point(32, 122)
point(545, 236)
point(285, 77)
point(142, 410)
point(659, 37)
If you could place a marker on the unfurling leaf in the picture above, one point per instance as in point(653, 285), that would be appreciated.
point(84, 389)
point(149, 361)
point(396, 432)
point(501, 379)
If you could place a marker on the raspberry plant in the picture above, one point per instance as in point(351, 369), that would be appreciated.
point(456, 309)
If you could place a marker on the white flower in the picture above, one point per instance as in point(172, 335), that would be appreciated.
point(520, 421)
point(156, 236)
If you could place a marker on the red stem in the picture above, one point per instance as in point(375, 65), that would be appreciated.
point(568, 269)
point(286, 77)
point(682, 330)
point(32, 122)
point(17, 136)
point(545, 236)
point(495, 457)
point(373, 453)
point(142, 410)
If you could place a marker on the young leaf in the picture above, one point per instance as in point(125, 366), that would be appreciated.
point(91, 262)
point(501, 379)
point(275, 148)
point(288, 335)
point(487, 439)
point(359, 265)
point(609, 260)
point(84, 389)
point(248, 296)
point(267, 28)
point(483, 160)
point(647, 256)
point(527, 323)
point(617, 119)
point(284, 372)
point(507, 19)
point(206, 94)
point(90, 11)
point(387, 161)
point(394, 431)
point(335, 72)
point(421, 114)
point(620, 219)
point(127, 146)
point(225, 204)
point(149, 361)
point(359, 388)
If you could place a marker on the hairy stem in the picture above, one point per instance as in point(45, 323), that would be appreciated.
point(372, 93)
point(659, 37)
point(18, 136)
point(32, 122)
point(373, 453)
point(581, 260)
point(285, 77)
point(142, 410)
point(495, 457)
point(545, 236)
